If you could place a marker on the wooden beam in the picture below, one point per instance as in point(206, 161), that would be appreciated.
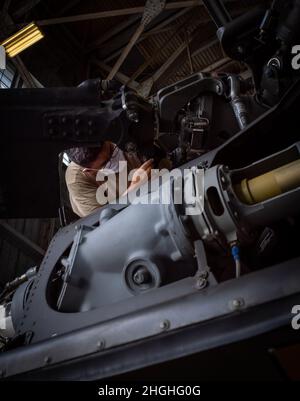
point(24, 8)
point(6, 6)
point(151, 11)
point(158, 28)
point(166, 22)
point(119, 76)
point(217, 64)
point(24, 73)
point(146, 86)
point(126, 51)
point(114, 13)
point(205, 46)
point(113, 32)
point(68, 6)
point(150, 32)
point(142, 68)
point(189, 52)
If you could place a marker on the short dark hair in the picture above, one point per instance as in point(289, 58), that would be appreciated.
point(84, 155)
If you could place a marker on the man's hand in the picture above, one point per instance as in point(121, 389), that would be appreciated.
point(143, 173)
point(140, 176)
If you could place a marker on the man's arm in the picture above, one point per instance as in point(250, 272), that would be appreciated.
point(140, 176)
point(83, 200)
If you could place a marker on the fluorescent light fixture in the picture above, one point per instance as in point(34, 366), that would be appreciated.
point(21, 40)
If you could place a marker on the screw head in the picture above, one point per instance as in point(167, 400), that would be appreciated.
point(47, 360)
point(236, 303)
point(200, 283)
point(100, 345)
point(164, 325)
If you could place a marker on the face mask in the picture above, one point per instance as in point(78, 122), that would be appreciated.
point(116, 158)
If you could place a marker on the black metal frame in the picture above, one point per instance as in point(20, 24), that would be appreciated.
point(85, 356)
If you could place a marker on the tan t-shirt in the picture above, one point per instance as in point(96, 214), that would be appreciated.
point(82, 191)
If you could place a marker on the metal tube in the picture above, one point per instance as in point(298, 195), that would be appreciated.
point(269, 185)
point(218, 12)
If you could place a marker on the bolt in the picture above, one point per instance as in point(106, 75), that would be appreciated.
point(141, 276)
point(237, 303)
point(100, 345)
point(192, 202)
point(133, 116)
point(47, 360)
point(200, 283)
point(164, 325)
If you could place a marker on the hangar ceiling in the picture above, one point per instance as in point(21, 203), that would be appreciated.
point(84, 39)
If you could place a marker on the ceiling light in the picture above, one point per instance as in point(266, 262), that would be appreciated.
point(21, 40)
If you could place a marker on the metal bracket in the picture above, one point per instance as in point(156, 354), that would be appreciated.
point(204, 276)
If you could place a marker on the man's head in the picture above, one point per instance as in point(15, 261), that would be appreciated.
point(84, 156)
point(91, 158)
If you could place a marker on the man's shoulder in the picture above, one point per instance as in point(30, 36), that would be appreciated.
point(74, 175)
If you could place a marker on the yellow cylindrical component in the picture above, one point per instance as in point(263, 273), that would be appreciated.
point(20, 49)
point(23, 32)
point(23, 43)
point(269, 185)
point(22, 40)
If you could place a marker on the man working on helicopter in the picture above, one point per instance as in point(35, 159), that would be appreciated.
point(86, 162)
